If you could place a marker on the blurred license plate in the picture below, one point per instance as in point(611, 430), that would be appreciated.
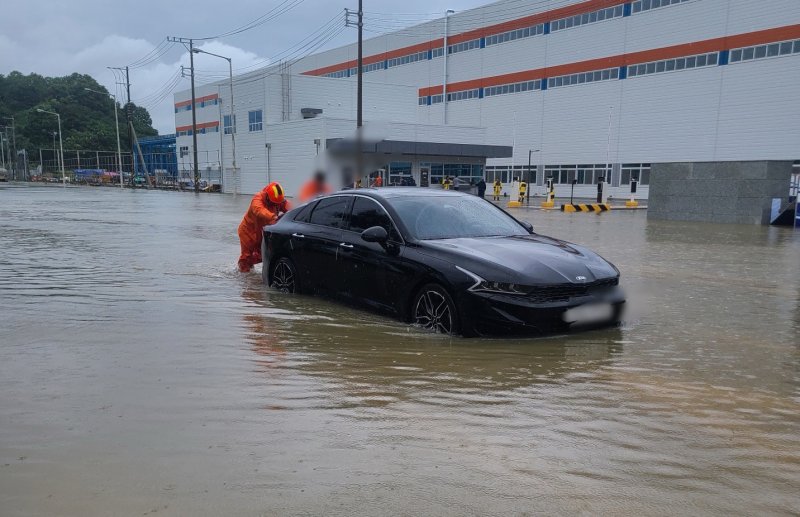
point(589, 313)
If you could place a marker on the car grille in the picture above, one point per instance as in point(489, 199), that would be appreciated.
point(563, 292)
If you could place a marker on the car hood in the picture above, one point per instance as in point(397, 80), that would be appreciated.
point(528, 259)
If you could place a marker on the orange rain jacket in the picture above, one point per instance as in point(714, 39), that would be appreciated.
point(312, 189)
point(262, 212)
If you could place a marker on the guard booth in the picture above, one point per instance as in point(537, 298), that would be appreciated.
point(420, 164)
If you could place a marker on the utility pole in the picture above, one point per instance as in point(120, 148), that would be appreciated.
point(360, 85)
point(447, 14)
point(184, 41)
point(128, 111)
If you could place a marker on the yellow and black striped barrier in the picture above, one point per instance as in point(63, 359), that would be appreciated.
point(582, 207)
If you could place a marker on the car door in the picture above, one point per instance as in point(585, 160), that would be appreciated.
point(296, 240)
point(370, 268)
point(322, 240)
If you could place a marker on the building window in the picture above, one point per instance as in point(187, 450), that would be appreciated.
point(404, 60)
point(646, 5)
point(207, 102)
point(398, 171)
point(507, 173)
point(527, 32)
point(423, 101)
point(337, 74)
point(437, 99)
point(670, 65)
point(184, 150)
point(586, 18)
point(463, 47)
point(583, 174)
point(437, 52)
point(504, 89)
point(228, 128)
point(462, 95)
point(583, 77)
point(468, 173)
point(254, 119)
point(635, 171)
point(763, 51)
point(373, 66)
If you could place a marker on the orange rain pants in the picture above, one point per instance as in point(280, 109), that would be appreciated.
point(261, 213)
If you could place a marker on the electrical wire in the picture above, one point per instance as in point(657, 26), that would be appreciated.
point(283, 7)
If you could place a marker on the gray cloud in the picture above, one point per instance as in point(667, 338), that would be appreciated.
point(58, 37)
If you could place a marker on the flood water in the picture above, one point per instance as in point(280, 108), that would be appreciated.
point(140, 374)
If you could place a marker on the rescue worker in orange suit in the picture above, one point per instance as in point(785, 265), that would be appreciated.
point(266, 208)
point(378, 181)
point(316, 186)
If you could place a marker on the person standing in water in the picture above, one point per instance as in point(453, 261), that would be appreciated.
point(266, 207)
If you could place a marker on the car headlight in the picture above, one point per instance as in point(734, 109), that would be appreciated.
point(482, 285)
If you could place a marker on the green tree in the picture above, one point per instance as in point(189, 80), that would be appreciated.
point(87, 119)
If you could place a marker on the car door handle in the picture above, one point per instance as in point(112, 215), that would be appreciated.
point(345, 245)
point(299, 235)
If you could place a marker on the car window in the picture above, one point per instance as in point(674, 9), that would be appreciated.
point(304, 214)
point(330, 212)
point(451, 217)
point(368, 213)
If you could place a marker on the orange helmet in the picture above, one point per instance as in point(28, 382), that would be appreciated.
point(275, 193)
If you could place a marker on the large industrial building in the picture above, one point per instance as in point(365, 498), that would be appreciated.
point(578, 90)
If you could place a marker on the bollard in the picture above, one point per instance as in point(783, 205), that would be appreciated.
point(515, 199)
point(551, 195)
point(632, 203)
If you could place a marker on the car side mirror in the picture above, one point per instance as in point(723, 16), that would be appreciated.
point(375, 234)
point(528, 226)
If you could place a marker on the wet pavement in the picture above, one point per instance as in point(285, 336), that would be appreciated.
point(141, 375)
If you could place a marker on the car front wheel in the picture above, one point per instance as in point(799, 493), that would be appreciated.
point(434, 309)
point(284, 276)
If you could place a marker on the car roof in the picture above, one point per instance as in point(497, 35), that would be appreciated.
point(400, 192)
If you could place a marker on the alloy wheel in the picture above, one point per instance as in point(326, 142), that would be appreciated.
point(433, 312)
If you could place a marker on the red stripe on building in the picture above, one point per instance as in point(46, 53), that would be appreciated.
point(519, 23)
point(686, 49)
point(196, 100)
point(201, 125)
point(527, 21)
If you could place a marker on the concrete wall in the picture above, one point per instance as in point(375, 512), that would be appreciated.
point(717, 192)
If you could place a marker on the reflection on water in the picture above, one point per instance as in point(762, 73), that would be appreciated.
point(140, 373)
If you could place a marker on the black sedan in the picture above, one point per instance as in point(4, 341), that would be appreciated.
point(446, 261)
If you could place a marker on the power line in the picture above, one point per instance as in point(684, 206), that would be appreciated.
point(282, 8)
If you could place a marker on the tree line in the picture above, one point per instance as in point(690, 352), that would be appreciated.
point(87, 119)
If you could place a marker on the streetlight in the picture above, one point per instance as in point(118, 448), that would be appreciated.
point(233, 124)
point(116, 126)
point(447, 14)
point(14, 141)
point(60, 142)
point(530, 152)
point(3, 150)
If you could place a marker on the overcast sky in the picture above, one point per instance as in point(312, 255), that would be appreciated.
point(59, 37)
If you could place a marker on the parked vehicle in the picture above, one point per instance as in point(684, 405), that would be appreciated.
point(446, 261)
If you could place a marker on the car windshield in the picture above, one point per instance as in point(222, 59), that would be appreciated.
point(452, 217)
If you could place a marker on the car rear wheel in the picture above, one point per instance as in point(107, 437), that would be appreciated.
point(433, 309)
point(284, 276)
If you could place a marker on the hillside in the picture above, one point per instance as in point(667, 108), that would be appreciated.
point(87, 118)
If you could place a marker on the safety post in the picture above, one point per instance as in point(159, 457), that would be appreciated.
point(551, 195)
point(516, 200)
point(632, 203)
point(600, 206)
